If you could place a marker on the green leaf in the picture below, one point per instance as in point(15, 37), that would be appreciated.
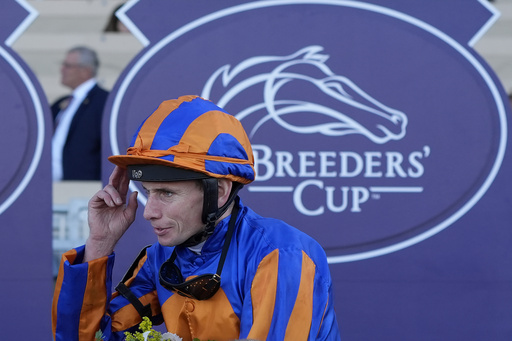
point(98, 336)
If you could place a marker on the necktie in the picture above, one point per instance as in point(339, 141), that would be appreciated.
point(63, 106)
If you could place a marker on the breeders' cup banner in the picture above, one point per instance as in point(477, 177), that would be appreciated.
point(377, 130)
point(25, 187)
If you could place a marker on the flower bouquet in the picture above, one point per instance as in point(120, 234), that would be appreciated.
point(147, 333)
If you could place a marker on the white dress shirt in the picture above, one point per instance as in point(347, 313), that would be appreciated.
point(64, 117)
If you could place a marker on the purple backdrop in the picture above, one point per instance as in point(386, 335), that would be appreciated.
point(377, 130)
point(25, 189)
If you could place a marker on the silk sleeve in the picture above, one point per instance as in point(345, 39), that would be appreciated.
point(84, 303)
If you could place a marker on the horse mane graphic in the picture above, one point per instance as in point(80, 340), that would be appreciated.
point(339, 106)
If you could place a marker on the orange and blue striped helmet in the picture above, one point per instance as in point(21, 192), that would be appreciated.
point(191, 134)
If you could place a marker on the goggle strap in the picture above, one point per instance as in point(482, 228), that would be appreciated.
point(210, 208)
point(212, 283)
point(229, 234)
point(211, 212)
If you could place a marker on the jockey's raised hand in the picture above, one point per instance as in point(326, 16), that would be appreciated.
point(109, 215)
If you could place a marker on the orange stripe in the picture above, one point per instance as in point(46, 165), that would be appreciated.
point(211, 319)
point(176, 151)
point(300, 320)
point(263, 293)
point(128, 316)
point(95, 299)
point(148, 130)
point(200, 134)
point(70, 256)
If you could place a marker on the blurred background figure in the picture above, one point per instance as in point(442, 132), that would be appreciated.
point(114, 24)
point(76, 143)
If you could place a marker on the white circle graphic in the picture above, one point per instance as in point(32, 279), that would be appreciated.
point(38, 109)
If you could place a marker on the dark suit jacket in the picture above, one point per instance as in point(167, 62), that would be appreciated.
point(81, 157)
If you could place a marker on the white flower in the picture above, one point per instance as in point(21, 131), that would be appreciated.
point(171, 336)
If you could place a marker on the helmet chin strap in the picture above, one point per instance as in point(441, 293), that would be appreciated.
point(211, 212)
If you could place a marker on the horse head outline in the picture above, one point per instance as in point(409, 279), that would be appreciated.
point(344, 108)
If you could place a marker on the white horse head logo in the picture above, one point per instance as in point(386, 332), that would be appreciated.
point(339, 105)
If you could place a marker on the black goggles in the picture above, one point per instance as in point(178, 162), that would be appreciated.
point(201, 287)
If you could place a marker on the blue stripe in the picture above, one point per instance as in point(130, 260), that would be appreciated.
point(227, 145)
point(173, 127)
point(70, 301)
point(225, 168)
point(134, 137)
point(288, 282)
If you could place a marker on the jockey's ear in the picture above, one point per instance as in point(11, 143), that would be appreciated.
point(224, 191)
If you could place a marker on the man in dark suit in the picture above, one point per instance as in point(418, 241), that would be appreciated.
point(76, 144)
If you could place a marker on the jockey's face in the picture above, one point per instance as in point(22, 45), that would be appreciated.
point(174, 210)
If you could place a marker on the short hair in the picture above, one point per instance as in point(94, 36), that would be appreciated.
point(87, 57)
